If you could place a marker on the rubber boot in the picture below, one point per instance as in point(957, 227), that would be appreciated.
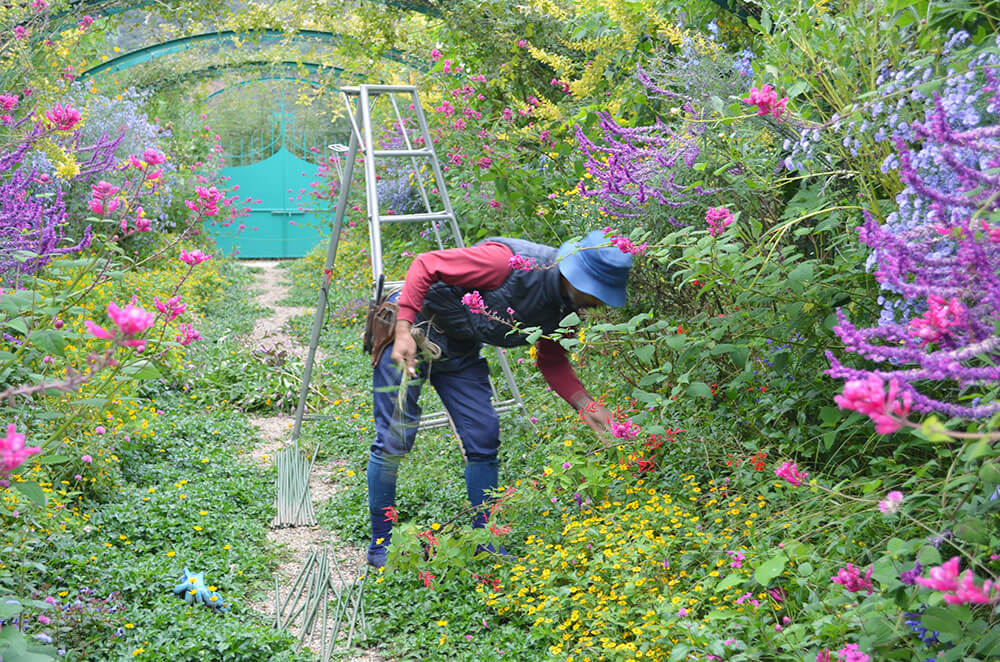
point(382, 472)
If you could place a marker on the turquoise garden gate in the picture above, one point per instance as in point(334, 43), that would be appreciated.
point(283, 221)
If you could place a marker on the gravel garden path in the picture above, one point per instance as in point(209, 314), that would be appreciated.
point(275, 432)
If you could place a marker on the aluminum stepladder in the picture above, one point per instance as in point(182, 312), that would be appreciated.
point(364, 96)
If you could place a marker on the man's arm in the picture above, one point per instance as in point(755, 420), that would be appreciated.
point(557, 371)
point(485, 266)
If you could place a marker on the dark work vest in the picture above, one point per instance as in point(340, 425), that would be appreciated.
point(535, 297)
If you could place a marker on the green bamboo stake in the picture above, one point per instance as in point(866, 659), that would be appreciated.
point(354, 615)
point(298, 594)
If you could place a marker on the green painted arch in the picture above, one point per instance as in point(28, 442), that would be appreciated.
point(433, 8)
point(257, 67)
point(262, 79)
point(149, 53)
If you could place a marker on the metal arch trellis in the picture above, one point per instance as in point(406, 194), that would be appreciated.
point(254, 66)
point(180, 44)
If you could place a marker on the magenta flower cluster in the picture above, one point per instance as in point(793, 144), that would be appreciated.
point(766, 99)
point(868, 396)
point(790, 472)
point(850, 578)
point(718, 219)
point(474, 302)
point(849, 653)
point(13, 452)
point(959, 588)
point(625, 429)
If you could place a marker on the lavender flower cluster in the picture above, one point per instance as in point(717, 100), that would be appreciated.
point(636, 166)
point(944, 262)
point(903, 95)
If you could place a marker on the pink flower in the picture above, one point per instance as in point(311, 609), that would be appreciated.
point(494, 204)
point(435, 55)
point(474, 302)
point(943, 578)
point(99, 430)
point(625, 245)
point(153, 175)
point(738, 558)
point(868, 396)
point(852, 580)
point(98, 331)
point(13, 451)
point(522, 43)
point(968, 592)
point(851, 653)
point(187, 335)
point(96, 206)
point(484, 163)
point(790, 472)
point(194, 257)
point(8, 101)
point(522, 263)
point(103, 190)
point(941, 315)
point(153, 157)
point(766, 100)
point(446, 109)
point(131, 320)
point(890, 505)
point(823, 655)
point(63, 117)
point(85, 22)
point(718, 219)
point(682, 612)
point(86, 459)
point(20, 32)
point(625, 430)
point(172, 308)
point(958, 589)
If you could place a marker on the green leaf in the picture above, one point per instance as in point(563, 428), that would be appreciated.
point(699, 389)
point(8, 609)
point(49, 341)
point(533, 336)
point(942, 620)
point(989, 473)
point(770, 569)
point(732, 580)
point(645, 353)
point(830, 415)
point(929, 555)
point(52, 459)
point(31, 490)
point(570, 320)
point(18, 324)
point(142, 370)
point(972, 530)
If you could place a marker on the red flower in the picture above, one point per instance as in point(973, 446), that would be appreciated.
point(391, 514)
point(428, 535)
point(427, 578)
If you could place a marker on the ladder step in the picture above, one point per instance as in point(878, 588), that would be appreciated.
point(440, 419)
point(410, 218)
point(411, 153)
point(353, 89)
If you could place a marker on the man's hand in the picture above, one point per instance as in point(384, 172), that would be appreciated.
point(404, 348)
point(596, 416)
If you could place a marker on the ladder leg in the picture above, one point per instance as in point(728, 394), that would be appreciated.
point(324, 290)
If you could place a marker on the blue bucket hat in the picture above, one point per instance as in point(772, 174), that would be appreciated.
point(599, 272)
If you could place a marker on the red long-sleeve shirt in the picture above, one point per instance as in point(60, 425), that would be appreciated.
point(483, 267)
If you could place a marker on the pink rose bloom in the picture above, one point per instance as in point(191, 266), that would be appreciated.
point(194, 257)
point(130, 320)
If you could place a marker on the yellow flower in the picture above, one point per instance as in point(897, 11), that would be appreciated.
point(171, 553)
point(442, 623)
point(138, 651)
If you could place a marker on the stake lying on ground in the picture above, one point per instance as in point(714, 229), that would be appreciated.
point(317, 598)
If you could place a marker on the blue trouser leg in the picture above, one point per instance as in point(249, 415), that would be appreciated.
point(464, 387)
point(382, 472)
point(395, 432)
point(480, 480)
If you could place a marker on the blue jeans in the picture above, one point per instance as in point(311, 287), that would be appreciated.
point(462, 383)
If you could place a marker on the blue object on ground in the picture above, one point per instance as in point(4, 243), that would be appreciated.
point(193, 589)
